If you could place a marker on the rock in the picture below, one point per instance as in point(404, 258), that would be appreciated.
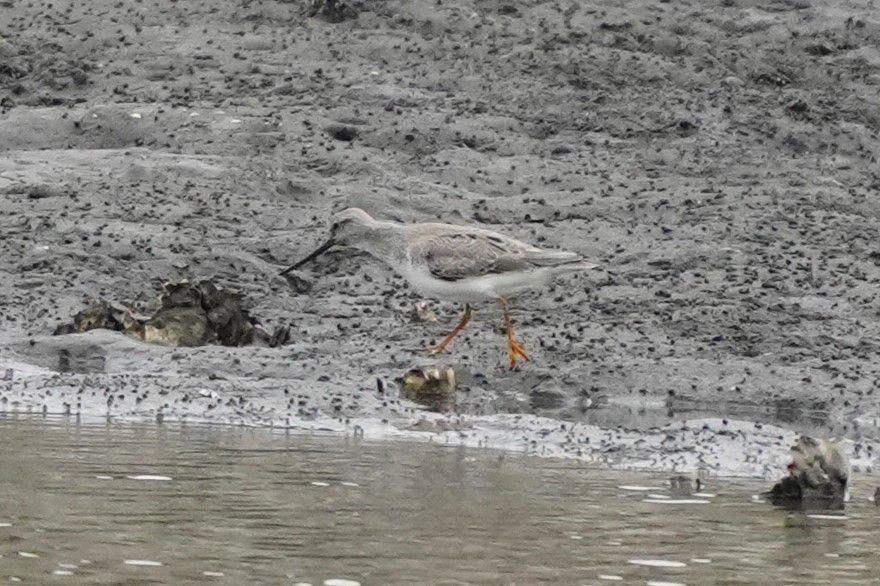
point(179, 326)
point(684, 485)
point(191, 314)
point(335, 11)
point(298, 283)
point(343, 132)
point(818, 477)
point(433, 387)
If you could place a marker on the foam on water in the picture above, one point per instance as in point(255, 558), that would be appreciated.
point(148, 477)
point(658, 563)
point(670, 501)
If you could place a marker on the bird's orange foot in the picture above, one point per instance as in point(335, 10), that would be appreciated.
point(514, 350)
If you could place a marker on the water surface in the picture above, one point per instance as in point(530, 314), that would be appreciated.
point(145, 504)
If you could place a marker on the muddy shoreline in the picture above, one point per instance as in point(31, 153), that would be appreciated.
point(717, 161)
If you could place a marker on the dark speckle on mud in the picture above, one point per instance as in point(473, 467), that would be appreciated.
point(728, 195)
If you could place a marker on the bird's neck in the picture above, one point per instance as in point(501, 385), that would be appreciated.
point(386, 243)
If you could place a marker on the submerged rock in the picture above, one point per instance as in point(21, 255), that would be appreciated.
point(684, 485)
point(818, 477)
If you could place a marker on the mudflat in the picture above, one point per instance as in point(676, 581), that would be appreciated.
point(718, 160)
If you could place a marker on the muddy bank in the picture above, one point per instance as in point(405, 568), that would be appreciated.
point(718, 161)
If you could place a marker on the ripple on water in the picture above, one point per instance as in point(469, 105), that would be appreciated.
point(637, 488)
point(341, 582)
point(27, 554)
point(659, 583)
point(148, 563)
point(611, 577)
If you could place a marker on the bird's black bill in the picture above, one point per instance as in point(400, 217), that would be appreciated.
point(321, 250)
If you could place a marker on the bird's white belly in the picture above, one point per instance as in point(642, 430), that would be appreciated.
point(474, 289)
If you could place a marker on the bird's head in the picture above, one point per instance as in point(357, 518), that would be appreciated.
point(351, 227)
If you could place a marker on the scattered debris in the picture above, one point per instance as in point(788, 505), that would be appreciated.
point(422, 313)
point(191, 314)
point(818, 477)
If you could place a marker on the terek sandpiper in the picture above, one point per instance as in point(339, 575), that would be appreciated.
point(452, 263)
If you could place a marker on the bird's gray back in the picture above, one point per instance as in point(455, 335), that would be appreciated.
point(457, 252)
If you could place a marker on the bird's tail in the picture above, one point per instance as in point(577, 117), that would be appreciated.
point(580, 265)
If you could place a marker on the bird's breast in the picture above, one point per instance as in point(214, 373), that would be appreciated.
point(474, 289)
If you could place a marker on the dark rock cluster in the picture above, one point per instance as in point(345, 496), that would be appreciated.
point(191, 314)
point(818, 477)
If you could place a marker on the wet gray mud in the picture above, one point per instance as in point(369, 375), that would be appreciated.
point(717, 159)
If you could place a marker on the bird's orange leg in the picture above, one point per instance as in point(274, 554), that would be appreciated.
point(465, 318)
point(513, 347)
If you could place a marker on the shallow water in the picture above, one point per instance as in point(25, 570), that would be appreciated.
point(145, 504)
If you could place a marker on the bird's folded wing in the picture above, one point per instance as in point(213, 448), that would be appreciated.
point(459, 255)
